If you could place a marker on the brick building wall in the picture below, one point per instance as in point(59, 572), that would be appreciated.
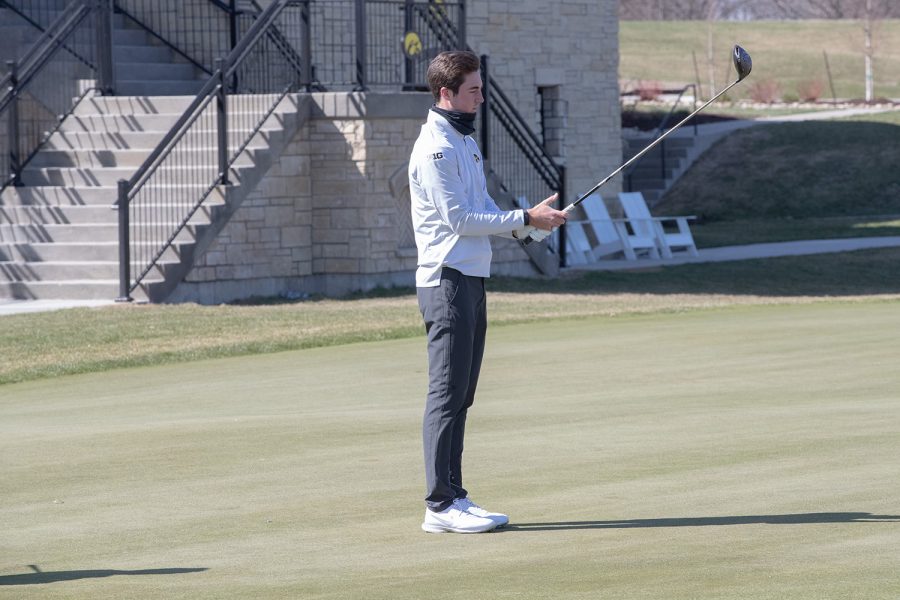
point(332, 214)
point(572, 45)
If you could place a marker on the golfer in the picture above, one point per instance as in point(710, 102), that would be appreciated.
point(453, 215)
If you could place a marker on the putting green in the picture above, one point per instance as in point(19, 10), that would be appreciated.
point(727, 453)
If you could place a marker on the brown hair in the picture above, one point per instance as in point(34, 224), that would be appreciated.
point(449, 69)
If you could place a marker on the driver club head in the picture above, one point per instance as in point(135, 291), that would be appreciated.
point(742, 62)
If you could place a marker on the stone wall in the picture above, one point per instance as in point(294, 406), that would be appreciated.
point(572, 44)
point(332, 214)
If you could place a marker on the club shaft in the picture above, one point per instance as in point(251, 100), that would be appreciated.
point(651, 146)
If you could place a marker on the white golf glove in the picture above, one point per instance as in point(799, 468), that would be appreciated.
point(522, 234)
point(539, 234)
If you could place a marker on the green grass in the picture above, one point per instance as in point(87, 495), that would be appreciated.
point(738, 452)
point(90, 340)
point(792, 181)
point(796, 170)
point(787, 52)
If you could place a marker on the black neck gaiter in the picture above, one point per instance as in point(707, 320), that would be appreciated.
point(462, 122)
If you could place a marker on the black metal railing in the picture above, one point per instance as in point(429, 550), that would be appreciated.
point(197, 155)
point(660, 151)
point(372, 44)
point(38, 13)
point(39, 91)
point(200, 32)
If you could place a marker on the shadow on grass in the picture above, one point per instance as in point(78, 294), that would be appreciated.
point(41, 577)
point(797, 519)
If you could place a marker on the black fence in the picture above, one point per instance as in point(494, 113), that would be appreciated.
point(200, 32)
point(39, 13)
point(369, 44)
point(38, 91)
point(197, 154)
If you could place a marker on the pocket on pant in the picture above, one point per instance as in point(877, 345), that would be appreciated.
point(450, 282)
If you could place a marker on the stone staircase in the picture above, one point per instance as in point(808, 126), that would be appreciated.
point(658, 169)
point(143, 65)
point(59, 232)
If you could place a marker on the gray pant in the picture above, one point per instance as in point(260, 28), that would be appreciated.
point(455, 315)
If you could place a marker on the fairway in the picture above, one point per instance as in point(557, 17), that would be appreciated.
point(738, 452)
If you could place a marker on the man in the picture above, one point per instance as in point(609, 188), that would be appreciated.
point(453, 215)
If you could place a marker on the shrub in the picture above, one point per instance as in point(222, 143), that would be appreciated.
point(649, 90)
point(789, 98)
point(765, 91)
point(810, 91)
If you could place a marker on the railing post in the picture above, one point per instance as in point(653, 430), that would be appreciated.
point(232, 22)
point(461, 28)
point(306, 20)
point(485, 109)
point(15, 167)
point(105, 73)
point(561, 203)
point(408, 22)
point(124, 243)
point(361, 56)
point(222, 118)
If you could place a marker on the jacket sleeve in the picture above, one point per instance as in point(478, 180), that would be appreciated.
point(439, 175)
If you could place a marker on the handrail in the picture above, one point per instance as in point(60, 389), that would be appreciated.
point(658, 132)
point(35, 100)
point(151, 185)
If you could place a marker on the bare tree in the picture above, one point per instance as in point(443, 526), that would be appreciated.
point(670, 10)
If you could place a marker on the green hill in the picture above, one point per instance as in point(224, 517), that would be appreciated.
point(786, 52)
point(788, 181)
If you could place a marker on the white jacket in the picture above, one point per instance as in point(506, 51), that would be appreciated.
point(452, 213)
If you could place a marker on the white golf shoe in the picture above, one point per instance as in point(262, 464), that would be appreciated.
point(473, 509)
point(454, 519)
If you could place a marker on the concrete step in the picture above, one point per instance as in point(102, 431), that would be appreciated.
point(130, 37)
point(652, 171)
point(106, 289)
point(110, 176)
point(119, 123)
point(143, 104)
point(158, 71)
point(141, 140)
point(128, 158)
point(58, 196)
point(128, 53)
point(88, 232)
point(66, 215)
point(11, 271)
point(76, 196)
point(140, 87)
point(74, 253)
point(640, 184)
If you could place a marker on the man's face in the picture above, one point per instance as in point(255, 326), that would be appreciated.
point(469, 97)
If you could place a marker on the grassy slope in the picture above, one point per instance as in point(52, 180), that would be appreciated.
point(792, 181)
point(672, 456)
point(795, 170)
point(788, 52)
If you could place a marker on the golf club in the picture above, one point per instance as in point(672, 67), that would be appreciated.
point(742, 64)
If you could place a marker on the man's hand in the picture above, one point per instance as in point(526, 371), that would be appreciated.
point(545, 217)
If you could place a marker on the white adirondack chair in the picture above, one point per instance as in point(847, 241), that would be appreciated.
point(578, 247)
point(613, 235)
point(638, 214)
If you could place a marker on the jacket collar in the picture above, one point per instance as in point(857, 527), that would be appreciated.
point(443, 124)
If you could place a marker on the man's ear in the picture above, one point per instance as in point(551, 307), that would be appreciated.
point(446, 93)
